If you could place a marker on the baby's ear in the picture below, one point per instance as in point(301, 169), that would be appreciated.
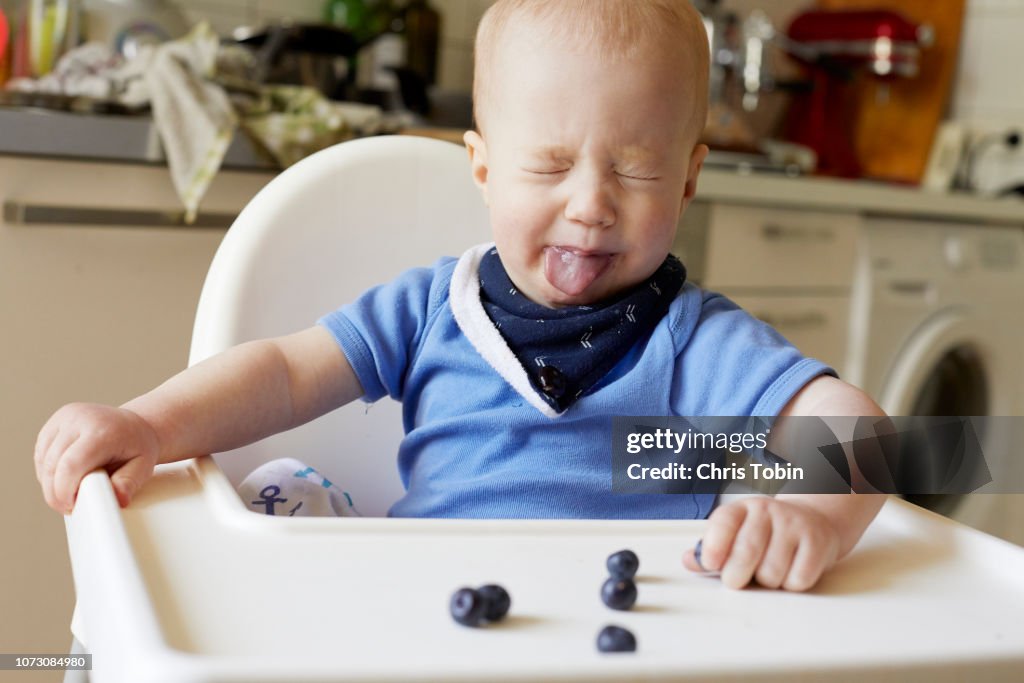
point(477, 149)
point(697, 157)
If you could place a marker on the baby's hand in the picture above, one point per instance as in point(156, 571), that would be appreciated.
point(781, 544)
point(81, 437)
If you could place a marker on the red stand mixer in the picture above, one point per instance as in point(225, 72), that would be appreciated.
point(837, 47)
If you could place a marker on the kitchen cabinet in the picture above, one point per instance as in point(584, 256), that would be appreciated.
point(97, 295)
point(789, 267)
point(793, 251)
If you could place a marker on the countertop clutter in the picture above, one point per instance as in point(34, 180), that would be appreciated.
point(157, 611)
point(924, 66)
point(97, 137)
point(200, 94)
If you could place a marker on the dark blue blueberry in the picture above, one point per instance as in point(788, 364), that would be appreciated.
point(616, 639)
point(467, 607)
point(623, 564)
point(496, 601)
point(696, 553)
point(619, 593)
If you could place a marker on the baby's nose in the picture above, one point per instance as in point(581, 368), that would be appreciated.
point(590, 203)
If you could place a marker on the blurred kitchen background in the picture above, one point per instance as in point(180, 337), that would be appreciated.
point(798, 86)
point(864, 195)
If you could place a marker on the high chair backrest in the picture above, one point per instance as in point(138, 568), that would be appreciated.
point(316, 237)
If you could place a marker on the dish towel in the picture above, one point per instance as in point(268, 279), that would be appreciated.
point(289, 488)
point(193, 114)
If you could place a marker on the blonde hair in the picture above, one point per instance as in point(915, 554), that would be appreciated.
point(620, 29)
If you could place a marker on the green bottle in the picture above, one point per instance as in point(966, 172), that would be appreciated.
point(349, 14)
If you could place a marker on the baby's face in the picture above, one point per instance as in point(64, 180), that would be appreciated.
point(587, 166)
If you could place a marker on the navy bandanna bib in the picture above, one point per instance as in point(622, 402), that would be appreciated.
point(566, 351)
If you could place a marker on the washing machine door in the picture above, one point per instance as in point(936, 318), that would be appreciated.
point(950, 366)
point(961, 364)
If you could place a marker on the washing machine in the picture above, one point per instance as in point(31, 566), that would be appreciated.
point(937, 320)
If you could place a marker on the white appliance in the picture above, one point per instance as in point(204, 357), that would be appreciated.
point(936, 325)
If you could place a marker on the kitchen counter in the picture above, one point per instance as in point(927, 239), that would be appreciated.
point(134, 138)
point(187, 584)
point(869, 198)
point(45, 133)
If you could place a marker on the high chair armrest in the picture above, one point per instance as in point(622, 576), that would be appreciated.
point(112, 608)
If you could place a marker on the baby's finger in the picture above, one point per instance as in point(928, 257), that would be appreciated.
point(723, 524)
point(748, 548)
point(690, 561)
point(129, 479)
point(58, 447)
point(78, 460)
point(777, 560)
point(813, 556)
point(46, 437)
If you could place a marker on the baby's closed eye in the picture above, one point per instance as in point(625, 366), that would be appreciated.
point(636, 175)
point(548, 170)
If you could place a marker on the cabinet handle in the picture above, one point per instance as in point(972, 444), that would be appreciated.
point(804, 321)
point(773, 232)
point(910, 287)
point(18, 213)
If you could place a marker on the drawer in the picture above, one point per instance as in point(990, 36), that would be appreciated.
point(815, 325)
point(762, 247)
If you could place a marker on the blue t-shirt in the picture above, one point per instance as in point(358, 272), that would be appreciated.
point(480, 444)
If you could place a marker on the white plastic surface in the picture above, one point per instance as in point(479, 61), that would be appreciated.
point(186, 586)
point(324, 231)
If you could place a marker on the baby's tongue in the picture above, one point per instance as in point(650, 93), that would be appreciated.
point(571, 273)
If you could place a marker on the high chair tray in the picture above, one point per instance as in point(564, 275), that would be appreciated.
point(187, 586)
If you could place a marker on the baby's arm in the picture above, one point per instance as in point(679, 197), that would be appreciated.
point(789, 541)
point(232, 399)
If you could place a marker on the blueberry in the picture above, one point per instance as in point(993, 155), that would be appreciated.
point(467, 607)
point(623, 564)
point(696, 552)
point(616, 639)
point(619, 593)
point(496, 601)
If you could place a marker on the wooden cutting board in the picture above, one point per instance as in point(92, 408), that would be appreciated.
point(898, 119)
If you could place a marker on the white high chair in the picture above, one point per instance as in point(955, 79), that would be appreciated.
point(316, 237)
point(186, 585)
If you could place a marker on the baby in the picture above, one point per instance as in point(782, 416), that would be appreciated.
point(511, 360)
